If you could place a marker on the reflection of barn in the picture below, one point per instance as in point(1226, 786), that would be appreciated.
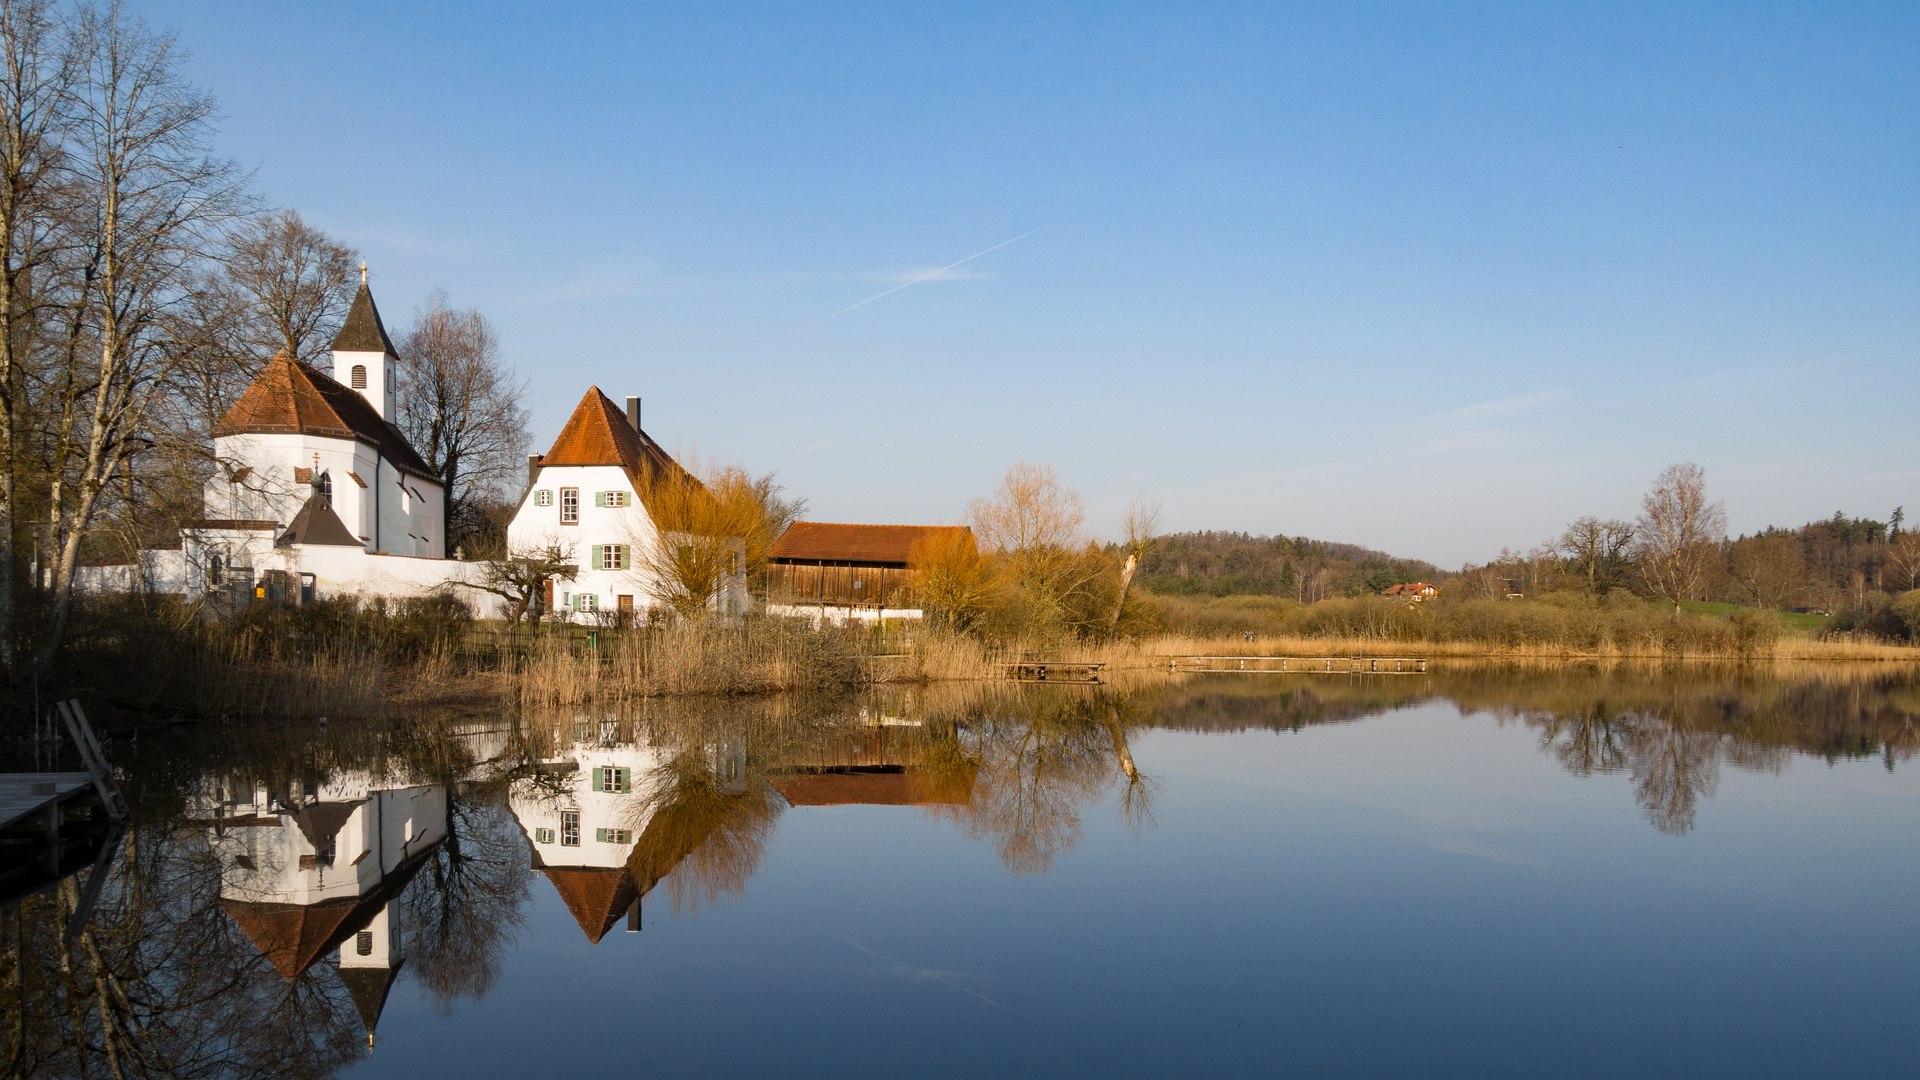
point(886, 765)
point(311, 870)
point(838, 572)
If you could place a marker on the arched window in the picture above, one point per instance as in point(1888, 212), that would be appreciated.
point(359, 376)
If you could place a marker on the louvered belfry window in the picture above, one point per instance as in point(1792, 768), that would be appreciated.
point(359, 376)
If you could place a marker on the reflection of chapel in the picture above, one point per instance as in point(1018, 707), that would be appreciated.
point(312, 870)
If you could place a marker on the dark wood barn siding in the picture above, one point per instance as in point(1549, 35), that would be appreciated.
point(834, 584)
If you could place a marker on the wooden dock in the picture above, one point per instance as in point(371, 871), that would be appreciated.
point(1299, 665)
point(1067, 671)
point(51, 825)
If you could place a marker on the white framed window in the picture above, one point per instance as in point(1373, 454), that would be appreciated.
point(569, 828)
point(614, 499)
point(612, 778)
point(543, 836)
point(543, 497)
point(586, 601)
point(613, 836)
point(612, 557)
point(569, 506)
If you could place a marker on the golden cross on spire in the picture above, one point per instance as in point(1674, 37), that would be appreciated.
point(363, 273)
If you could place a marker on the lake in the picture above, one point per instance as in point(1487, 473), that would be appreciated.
point(1480, 871)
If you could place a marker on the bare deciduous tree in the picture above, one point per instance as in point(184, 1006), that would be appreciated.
point(1678, 532)
point(955, 585)
point(294, 284)
point(1903, 561)
point(461, 408)
point(521, 577)
point(145, 201)
point(1031, 525)
point(1596, 551)
point(35, 112)
point(1768, 570)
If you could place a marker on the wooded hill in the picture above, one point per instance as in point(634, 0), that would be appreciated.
point(1298, 568)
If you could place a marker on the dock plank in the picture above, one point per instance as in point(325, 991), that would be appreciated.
point(22, 794)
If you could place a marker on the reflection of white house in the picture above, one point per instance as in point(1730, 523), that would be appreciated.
point(582, 818)
point(310, 870)
point(587, 495)
point(599, 827)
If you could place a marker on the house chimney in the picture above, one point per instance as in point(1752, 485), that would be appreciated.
point(533, 467)
point(633, 412)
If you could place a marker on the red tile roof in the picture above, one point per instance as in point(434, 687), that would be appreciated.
point(824, 542)
point(598, 434)
point(596, 895)
point(289, 396)
point(866, 789)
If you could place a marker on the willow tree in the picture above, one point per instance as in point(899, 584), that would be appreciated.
point(701, 536)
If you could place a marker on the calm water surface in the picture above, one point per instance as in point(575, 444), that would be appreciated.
point(1683, 872)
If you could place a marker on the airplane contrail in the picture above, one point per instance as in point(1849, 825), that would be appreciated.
point(928, 274)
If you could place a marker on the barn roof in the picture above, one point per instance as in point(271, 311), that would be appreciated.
point(825, 542)
point(288, 396)
point(872, 789)
point(598, 434)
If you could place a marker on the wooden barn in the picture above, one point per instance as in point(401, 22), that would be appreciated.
point(839, 572)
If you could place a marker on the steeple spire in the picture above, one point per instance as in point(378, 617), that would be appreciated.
point(363, 331)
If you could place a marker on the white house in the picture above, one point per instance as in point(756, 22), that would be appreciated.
point(587, 495)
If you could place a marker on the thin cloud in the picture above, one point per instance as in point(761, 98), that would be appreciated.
point(930, 275)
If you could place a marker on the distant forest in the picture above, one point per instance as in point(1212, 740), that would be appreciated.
point(1240, 564)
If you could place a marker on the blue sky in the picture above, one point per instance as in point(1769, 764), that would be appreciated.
point(1432, 278)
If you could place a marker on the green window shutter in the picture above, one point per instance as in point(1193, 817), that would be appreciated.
point(626, 779)
point(596, 557)
point(600, 835)
point(599, 498)
point(596, 778)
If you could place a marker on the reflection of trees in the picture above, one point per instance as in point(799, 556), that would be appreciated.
point(1589, 741)
point(161, 982)
point(1672, 767)
point(466, 905)
point(1041, 757)
point(703, 827)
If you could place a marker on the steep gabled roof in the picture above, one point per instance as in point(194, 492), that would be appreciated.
point(317, 524)
point(293, 936)
point(363, 330)
point(320, 822)
point(289, 396)
point(598, 896)
point(369, 987)
point(825, 542)
point(598, 434)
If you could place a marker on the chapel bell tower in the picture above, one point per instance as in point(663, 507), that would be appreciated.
point(363, 356)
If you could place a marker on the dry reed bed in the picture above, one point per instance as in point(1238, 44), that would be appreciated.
point(767, 657)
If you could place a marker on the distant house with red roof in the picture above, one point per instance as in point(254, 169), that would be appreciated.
point(1413, 591)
